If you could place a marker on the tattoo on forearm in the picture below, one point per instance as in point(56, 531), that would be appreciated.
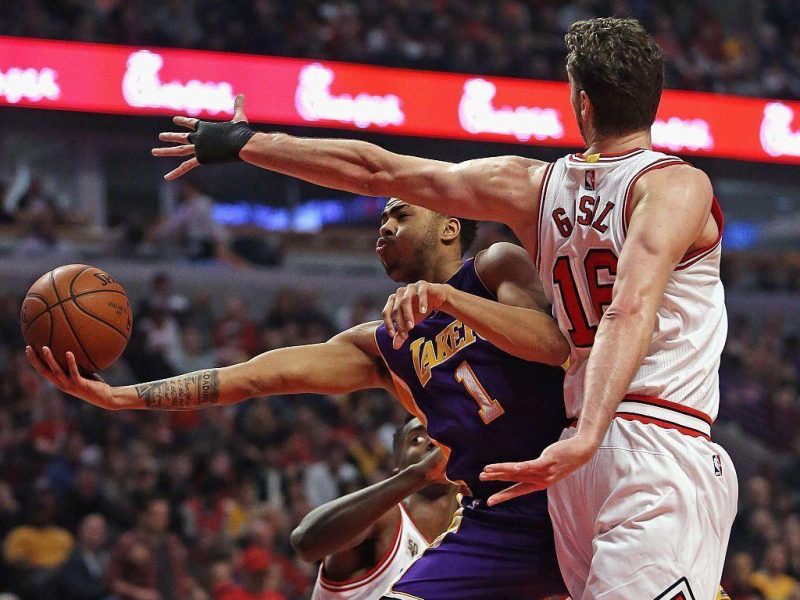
point(184, 392)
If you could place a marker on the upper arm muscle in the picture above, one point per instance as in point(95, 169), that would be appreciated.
point(493, 189)
point(508, 271)
point(358, 358)
point(672, 210)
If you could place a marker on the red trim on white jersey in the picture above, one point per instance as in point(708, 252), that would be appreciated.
point(664, 413)
point(414, 525)
point(369, 576)
point(697, 255)
point(542, 192)
point(681, 408)
point(659, 164)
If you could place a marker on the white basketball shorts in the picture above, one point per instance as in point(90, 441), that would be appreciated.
point(648, 517)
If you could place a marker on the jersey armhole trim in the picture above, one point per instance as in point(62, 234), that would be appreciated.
point(661, 163)
point(478, 275)
point(542, 197)
point(697, 255)
point(413, 523)
point(377, 570)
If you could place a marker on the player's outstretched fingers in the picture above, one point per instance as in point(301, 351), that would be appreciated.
point(531, 471)
point(184, 168)
point(55, 369)
point(238, 109)
point(386, 315)
point(515, 491)
point(183, 150)
point(188, 122)
point(72, 364)
point(174, 136)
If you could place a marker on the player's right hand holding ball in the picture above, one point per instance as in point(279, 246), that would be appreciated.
point(94, 391)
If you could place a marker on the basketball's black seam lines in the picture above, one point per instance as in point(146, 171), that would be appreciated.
point(69, 322)
point(86, 312)
point(103, 321)
point(77, 339)
point(46, 307)
point(50, 307)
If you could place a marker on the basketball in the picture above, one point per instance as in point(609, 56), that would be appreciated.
point(81, 309)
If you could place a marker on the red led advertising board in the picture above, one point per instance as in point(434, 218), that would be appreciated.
point(132, 80)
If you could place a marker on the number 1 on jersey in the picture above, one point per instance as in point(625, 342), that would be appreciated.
point(490, 408)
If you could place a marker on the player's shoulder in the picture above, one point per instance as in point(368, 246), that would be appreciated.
point(671, 175)
point(511, 166)
point(362, 336)
point(502, 262)
point(502, 254)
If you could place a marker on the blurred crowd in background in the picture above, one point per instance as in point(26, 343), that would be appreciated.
point(179, 505)
point(191, 505)
point(751, 47)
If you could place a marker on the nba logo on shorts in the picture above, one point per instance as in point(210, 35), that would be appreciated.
point(588, 182)
point(717, 465)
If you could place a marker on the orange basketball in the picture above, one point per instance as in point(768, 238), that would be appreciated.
point(81, 309)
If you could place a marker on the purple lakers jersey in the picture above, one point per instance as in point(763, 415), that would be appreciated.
point(479, 402)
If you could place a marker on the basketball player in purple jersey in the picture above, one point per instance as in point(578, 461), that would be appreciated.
point(457, 371)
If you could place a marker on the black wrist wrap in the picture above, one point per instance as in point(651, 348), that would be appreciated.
point(219, 142)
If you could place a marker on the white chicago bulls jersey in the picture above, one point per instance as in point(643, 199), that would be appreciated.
point(408, 545)
point(582, 227)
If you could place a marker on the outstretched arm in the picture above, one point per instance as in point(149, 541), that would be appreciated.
point(336, 530)
point(655, 244)
point(347, 362)
point(519, 322)
point(494, 189)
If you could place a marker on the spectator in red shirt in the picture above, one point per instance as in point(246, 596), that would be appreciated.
point(255, 572)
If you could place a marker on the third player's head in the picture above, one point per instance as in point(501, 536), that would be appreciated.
point(413, 239)
point(616, 73)
point(411, 446)
point(411, 443)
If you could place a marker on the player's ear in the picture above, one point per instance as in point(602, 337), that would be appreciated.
point(451, 230)
point(587, 110)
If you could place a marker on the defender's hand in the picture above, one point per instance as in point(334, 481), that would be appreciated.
point(556, 462)
point(211, 143)
point(434, 465)
point(409, 305)
point(95, 391)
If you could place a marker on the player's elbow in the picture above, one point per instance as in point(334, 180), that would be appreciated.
point(559, 351)
point(553, 353)
point(303, 543)
point(379, 183)
point(630, 309)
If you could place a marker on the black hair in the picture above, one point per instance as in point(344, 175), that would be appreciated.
point(469, 230)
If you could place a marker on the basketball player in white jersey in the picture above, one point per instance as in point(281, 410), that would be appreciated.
point(628, 242)
point(366, 539)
